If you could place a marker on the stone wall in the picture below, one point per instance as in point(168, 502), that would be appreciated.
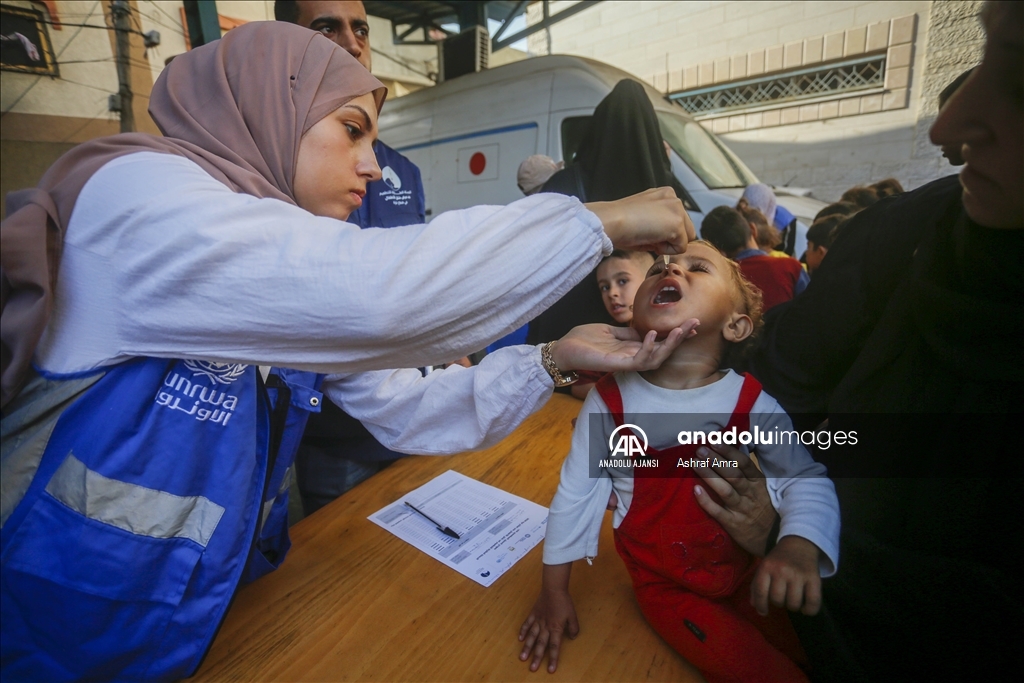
point(955, 44)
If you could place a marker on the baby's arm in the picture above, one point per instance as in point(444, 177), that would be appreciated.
point(808, 546)
point(552, 615)
point(574, 524)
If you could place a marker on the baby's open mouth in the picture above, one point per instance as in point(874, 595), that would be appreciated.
point(667, 295)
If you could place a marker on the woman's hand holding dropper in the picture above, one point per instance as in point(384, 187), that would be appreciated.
point(653, 220)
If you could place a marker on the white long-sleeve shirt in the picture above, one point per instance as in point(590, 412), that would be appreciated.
point(450, 411)
point(162, 260)
point(798, 486)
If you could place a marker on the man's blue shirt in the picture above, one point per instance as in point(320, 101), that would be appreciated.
point(397, 198)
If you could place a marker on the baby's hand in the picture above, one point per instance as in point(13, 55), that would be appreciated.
point(788, 577)
point(552, 614)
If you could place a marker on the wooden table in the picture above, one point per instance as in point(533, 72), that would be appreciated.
point(352, 602)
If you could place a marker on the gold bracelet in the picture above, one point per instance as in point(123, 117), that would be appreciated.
point(560, 380)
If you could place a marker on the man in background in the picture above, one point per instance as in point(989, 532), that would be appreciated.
point(397, 198)
point(337, 452)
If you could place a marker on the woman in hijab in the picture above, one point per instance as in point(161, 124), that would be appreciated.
point(145, 458)
point(622, 153)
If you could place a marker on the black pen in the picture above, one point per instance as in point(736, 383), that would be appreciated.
point(443, 529)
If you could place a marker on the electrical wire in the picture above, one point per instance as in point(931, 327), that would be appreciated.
point(113, 60)
point(105, 27)
point(103, 90)
point(64, 23)
point(134, 18)
point(175, 22)
point(103, 111)
point(156, 22)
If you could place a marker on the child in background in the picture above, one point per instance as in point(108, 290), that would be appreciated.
point(820, 237)
point(761, 197)
point(862, 196)
point(692, 581)
point(778, 279)
point(890, 187)
point(837, 208)
point(618, 276)
point(768, 236)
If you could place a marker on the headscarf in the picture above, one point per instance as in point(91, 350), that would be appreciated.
point(622, 151)
point(237, 107)
point(762, 198)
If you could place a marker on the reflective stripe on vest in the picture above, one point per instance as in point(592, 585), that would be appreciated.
point(136, 509)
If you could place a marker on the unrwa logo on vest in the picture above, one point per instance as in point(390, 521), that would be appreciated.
point(220, 373)
point(391, 178)
point(628, 444)
point(209, 403)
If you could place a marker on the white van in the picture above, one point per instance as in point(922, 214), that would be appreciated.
point(469, 135)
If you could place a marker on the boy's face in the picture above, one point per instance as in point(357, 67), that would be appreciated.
point(695, 284)
point(618, 279)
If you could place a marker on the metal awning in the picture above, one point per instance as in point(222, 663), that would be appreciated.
point(409, 17)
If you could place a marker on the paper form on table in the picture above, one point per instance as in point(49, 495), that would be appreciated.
point(495, 528)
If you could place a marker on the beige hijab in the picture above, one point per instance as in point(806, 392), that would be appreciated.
point(237, 107)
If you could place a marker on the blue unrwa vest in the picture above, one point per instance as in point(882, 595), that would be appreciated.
point(160, 488)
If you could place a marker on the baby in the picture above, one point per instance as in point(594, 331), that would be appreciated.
point(695, 585)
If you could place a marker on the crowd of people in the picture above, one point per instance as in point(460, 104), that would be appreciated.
point(148, 282)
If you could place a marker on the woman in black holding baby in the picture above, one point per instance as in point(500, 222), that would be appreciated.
point(914, 323)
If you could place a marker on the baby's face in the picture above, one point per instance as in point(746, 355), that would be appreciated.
point(695, 284)
point(618, 280)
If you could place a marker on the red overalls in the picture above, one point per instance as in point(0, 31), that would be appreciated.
point(691, 580)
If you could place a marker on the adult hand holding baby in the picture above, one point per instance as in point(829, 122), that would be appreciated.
point(746, 510)
point(653, 220)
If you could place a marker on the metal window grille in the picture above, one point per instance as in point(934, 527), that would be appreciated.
point(833, 79)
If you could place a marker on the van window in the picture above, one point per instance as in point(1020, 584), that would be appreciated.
point(716, 165)
point(573, 130)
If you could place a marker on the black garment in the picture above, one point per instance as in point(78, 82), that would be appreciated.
point(337, 453)
point(582, 304)
point(622, 153)
point(788, 244)
point(915, 311)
